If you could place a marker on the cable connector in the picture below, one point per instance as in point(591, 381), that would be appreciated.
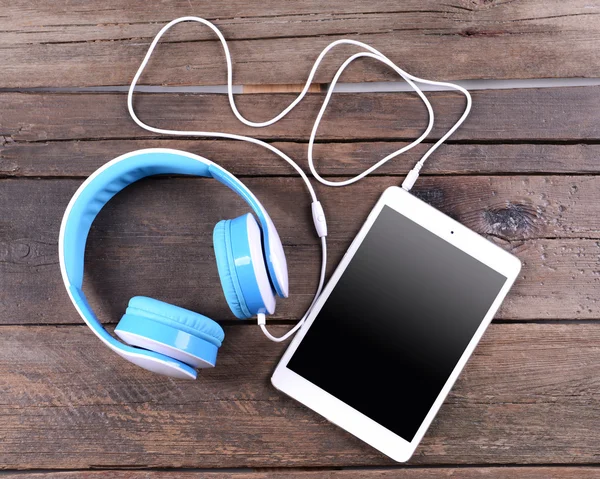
point(411, 178)
point(261, 319)
point(319, 218)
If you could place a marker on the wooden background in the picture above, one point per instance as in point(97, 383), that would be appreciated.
point(523, 170)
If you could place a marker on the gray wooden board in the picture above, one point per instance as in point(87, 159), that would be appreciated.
point(156, 239)
point(547, 115)
point(79, 158)
point(529, 395)
point(102, 43)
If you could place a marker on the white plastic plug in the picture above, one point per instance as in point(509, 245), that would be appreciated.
point(410, 179)
point(319, 218)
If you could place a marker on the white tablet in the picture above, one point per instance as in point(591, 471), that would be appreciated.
point(396, 323)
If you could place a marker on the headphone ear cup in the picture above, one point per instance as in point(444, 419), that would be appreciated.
point(242, 268)
point(176, 332)
point(229, 282)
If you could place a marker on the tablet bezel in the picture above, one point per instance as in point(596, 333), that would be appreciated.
point(337, 411)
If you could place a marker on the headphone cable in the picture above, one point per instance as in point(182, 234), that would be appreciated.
point(318, 214)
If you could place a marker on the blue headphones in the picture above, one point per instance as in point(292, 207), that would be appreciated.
point(161, 337)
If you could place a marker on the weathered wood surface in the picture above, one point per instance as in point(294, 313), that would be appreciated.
point(549, 115)
point(399, 473)
point(50, 44)
point(528, 395)
point(68, 138)
point(156, 239)
point(79, 158)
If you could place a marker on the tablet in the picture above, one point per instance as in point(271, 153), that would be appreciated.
point(396, 323)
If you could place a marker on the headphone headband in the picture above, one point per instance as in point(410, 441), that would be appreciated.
point(119, 173)
point(113, 177)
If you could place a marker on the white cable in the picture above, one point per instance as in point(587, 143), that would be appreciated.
point(214, 134)
point(321, 228)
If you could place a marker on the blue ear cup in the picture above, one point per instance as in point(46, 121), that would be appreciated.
point(229, 283)
point(178, 333)
point(242, 268)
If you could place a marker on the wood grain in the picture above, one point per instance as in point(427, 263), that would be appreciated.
point(528, 395)
point(549, 115)
point(155, 239)
point(70, 408)
point(79, 158)
point(396, 473)
point(102, 43)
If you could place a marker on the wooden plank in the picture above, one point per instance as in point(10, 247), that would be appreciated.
point(155, 239)
point(548, 114)
point(80, 158)
point(36, 21)
point(103, 43)
point(395, 473)
point(68, 402)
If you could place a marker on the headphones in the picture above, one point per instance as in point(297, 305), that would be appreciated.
point(161, 337)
